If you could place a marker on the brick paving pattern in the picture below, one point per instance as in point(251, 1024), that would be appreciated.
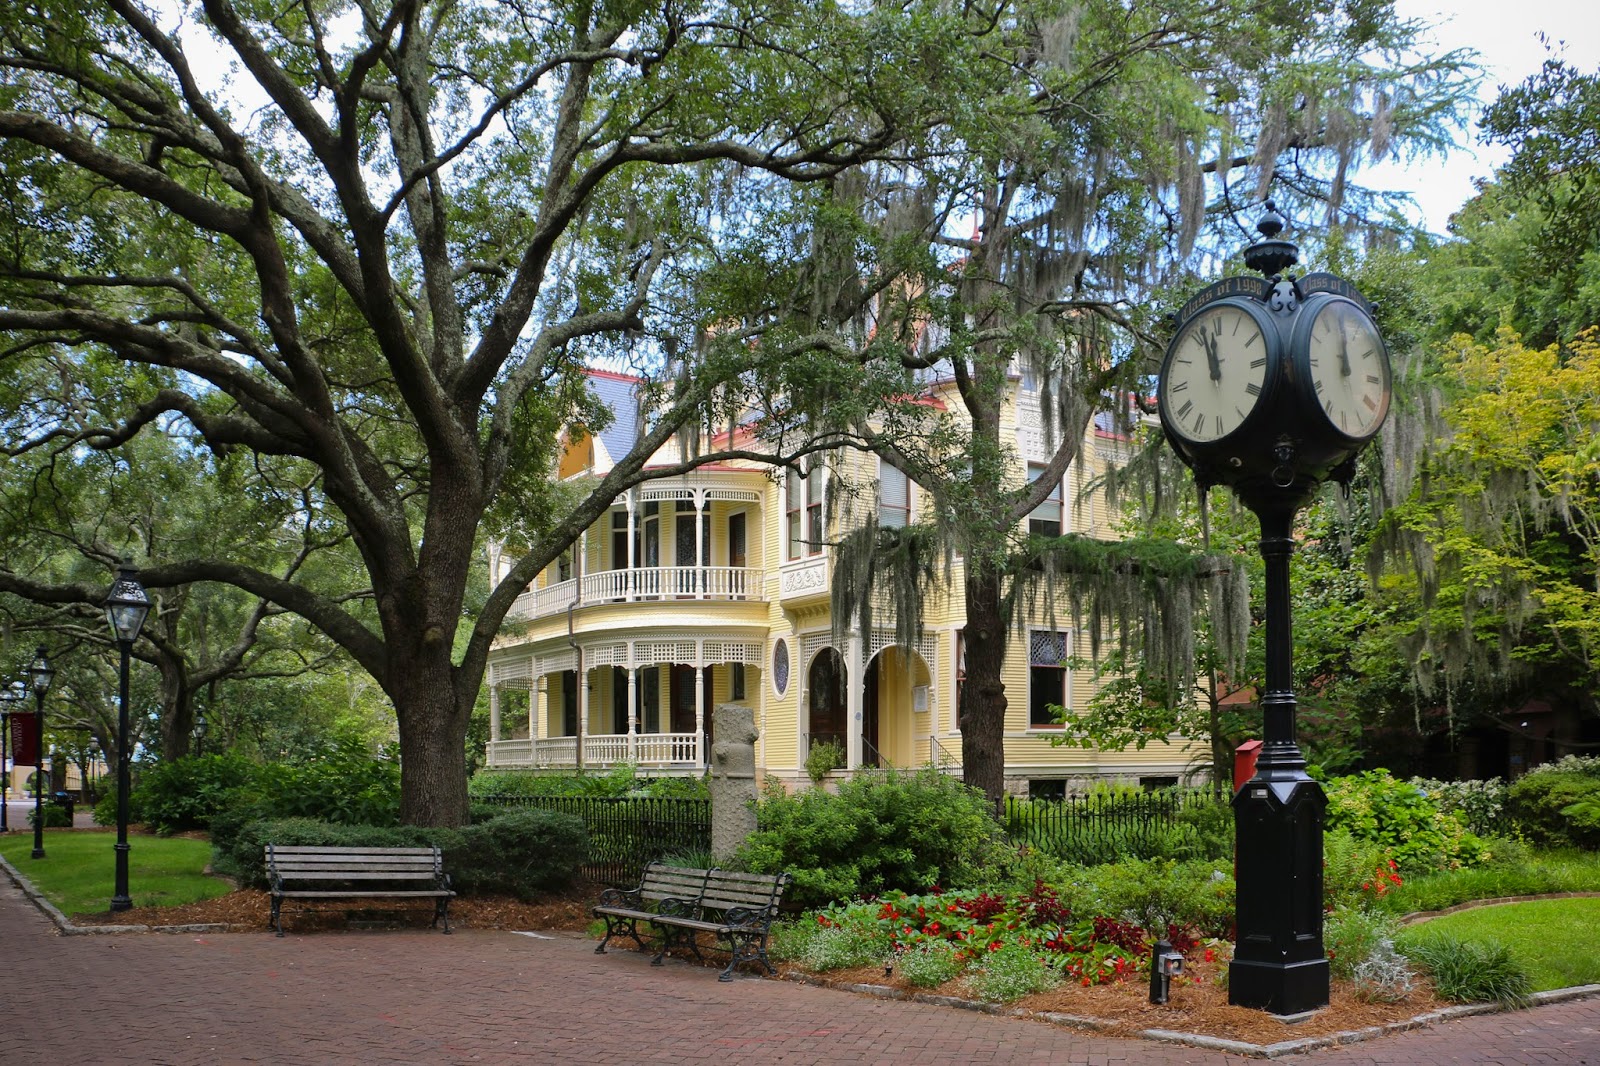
point(494, 997)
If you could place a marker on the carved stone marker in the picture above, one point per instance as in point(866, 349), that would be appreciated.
point(733, 779)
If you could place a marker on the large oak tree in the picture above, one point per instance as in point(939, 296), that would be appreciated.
point(382, 248)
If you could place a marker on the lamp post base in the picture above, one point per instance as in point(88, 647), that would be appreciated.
point(121, 901)
point(1281, 988)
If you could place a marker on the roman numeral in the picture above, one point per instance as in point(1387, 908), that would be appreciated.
point(1183, 412)
point(1257, 364)
point(1373, 379)
point(1320, 383)
point(1253, 389)
point(1179, 387)
point(1252, 339)
point(1200, 423)
point(1372, 405)
point(1218, 420)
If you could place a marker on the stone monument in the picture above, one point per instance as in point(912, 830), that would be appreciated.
point(733, 779)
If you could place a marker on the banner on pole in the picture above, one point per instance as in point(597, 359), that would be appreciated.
point(24, 739)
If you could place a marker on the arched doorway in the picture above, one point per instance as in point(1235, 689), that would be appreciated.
point(826, 700)
point(895, 708)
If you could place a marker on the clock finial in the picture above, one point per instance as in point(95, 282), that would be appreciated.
point(1270, 255)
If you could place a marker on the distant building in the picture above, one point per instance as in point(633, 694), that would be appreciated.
point(713, 588)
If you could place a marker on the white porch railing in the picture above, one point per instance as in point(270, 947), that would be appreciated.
point(643, 583)
point(656, 750)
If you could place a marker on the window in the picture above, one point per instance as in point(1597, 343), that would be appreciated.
point(564, 566)
point(619, 700)
point(619, 540)
point(1048, 788)
point(894, 497)
point(1045, 519)
point(1155, 782)
point(804, 511)
point(569, 703)
point(961, 665)
point(1047, 677)
point(650, 700)
point(736, 681)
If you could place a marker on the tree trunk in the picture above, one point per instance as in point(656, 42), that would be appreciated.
point(982, 713)
point(177, 709)
point(433, 749)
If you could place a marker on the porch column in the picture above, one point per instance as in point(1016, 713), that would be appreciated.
point(633, 707)
point(494, 713)
point(633, 535)
point(700, 715)
point(853, 700)
point(538, 707)
point(700, 505)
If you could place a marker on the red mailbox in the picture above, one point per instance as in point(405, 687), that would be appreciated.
point(1244, 763)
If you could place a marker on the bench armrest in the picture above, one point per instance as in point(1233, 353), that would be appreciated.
point(678, 908)
point(749, 917)
point(621, 897)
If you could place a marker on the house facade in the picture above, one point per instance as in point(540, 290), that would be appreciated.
point(714, 587)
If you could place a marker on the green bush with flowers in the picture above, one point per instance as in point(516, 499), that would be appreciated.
point(1376, 808)
point(1006, 946)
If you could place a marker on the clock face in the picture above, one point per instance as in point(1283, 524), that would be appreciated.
point(1348, 369)
point(1214, 375)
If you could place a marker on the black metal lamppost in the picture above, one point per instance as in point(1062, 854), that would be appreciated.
point(41, 673)
point(12, 695)
point(126, 608)
point(199, 734)
point(1271, 388)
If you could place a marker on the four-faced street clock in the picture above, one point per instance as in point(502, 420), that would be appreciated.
point(1271, 386)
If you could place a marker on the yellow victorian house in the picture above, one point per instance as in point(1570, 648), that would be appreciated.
point(714, 587)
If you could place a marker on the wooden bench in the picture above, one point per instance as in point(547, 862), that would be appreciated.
point(358, 873)
point(682, 902)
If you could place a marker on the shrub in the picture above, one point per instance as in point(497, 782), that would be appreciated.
point(1469, 972)
point(1555, 804)
point(244, 857)
point(520, 853)
point(1011, 972)
point(881, 832)
point(1375, 808)
point(183, 794)
point(620, 780)
point(1155, 894)
point(1481, 804)
point(55, 816)
point(822, 758)
point(1354, 935)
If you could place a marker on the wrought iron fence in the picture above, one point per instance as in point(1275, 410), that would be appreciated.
point(627, 832)
point(1105, 826)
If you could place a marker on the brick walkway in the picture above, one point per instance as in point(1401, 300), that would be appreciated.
point(482, 997)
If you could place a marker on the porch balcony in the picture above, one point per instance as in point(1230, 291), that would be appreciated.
point(642, 584)
point(653, 751)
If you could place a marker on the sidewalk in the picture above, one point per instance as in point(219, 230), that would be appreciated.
point(496, 997)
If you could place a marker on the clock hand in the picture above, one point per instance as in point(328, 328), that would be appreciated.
point(1212, 360)
point(1344, 352)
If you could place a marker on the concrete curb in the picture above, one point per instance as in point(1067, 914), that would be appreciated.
point(1197, 1040)
point(64, 924)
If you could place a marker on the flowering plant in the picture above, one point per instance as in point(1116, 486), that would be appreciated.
point(1385, 877)
point(983, 927)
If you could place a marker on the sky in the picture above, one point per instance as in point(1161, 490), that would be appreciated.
point(1505, 33)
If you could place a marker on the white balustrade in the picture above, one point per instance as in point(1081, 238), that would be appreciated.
point(658, 750)
point(645, 583)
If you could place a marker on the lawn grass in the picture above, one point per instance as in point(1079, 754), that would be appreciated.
point(1557, 941)
point(78, 872)
point(1529, 872)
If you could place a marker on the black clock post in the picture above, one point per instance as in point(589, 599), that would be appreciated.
point(1294, 380)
